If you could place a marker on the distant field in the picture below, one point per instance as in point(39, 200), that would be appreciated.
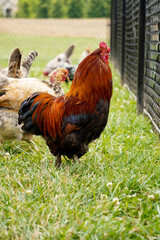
point(47, 46)
point(96, 28)
point(50, 37)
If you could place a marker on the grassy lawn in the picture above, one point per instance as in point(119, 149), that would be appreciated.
point(47, 47)
point(114, 193)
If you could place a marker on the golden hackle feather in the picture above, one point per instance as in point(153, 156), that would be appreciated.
point(92, 80)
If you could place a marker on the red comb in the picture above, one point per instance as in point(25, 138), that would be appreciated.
point(108, 49)
point(103, 45)
point(67, 71)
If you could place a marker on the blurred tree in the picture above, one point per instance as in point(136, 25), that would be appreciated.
point(65, 4)
point(63, 8)
point(1, 15)
point(75, 9)
point(56, 9)
point(108, 8)
point(32, 6)
point(85, 8)
point(98, 8)
point(42, 8)
point(23, 6)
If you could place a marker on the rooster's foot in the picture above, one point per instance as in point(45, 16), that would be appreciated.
point(76, 159)
point(58, 162)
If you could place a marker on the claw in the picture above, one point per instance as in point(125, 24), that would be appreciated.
point(75, 158)
point(58, 162)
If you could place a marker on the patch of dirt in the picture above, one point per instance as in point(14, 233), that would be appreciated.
point(96, 28)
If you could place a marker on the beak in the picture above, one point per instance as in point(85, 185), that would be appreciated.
point(67, 79)
point(45, 73)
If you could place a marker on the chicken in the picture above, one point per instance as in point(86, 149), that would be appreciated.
point(27, 63)
point(63, 61)
point(70, 122)
point(14, 91)
point(60, 61)
point(14, 64)
point(56, 77)
point(9, 128)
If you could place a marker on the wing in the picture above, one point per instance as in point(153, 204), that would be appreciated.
point(79, 128)
point(43, 114)
point(78, 117)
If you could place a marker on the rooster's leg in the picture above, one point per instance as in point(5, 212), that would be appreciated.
point(58, 161)
point(75, 158)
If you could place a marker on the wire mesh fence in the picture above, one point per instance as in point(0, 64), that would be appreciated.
point(50, 27)
point(51, 36)
point(135, 45)
point(152, 61)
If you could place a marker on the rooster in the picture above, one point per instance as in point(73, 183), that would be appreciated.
point(70, 122)
point(14, 91)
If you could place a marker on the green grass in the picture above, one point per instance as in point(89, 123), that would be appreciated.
point(114, 193)
point(47, 47)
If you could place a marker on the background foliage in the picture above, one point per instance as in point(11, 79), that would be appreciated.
point(63, 8)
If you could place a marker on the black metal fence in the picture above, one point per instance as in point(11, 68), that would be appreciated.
point(135, 46)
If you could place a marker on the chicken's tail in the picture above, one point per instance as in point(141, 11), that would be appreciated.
point(14, 63)
point(41, 114)
point(25, 115)
point(27, 63)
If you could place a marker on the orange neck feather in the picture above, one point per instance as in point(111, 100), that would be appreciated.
point(92, 80)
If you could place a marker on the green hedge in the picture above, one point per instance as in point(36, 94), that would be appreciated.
point(63, 8)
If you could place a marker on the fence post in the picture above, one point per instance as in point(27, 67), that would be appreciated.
point(115, 40)
point(123, 41)
point(113, 30)
point(141, 51)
